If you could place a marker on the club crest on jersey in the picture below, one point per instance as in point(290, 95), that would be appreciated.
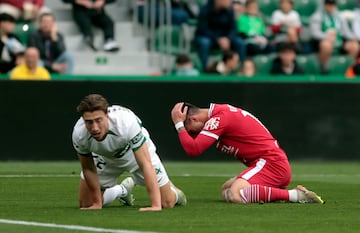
point(212, 123)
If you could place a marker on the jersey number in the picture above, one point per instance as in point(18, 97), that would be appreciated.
point(246, 113)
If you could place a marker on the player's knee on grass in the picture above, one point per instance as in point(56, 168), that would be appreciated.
point(168, 196)
point(167, 204)
point(168, 199)
point(230, 196)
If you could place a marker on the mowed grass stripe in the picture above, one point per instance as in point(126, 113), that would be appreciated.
point(55, 200)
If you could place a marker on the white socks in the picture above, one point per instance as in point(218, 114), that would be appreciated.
point(293, 195)
point(176, 193)
point(112, 193)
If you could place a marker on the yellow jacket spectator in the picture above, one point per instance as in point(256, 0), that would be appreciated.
point(29, 69)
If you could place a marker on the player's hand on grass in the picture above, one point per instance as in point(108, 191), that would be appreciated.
point(92, 207)
point(152, 208)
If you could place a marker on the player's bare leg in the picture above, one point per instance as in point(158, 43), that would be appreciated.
point(228, 183)
point(85, 199)
point(232, 193)
point(171, 195)
point(226, 186)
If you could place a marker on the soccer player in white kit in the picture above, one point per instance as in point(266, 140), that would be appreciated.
point(110, 140)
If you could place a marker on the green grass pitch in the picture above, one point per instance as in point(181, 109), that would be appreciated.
point(46, 193)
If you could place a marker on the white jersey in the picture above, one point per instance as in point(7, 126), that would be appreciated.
point(292, 18)
point(125, 135)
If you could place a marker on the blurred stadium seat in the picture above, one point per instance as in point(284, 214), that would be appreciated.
point(309, 63)
point(263, 63)
point(305, 8)
point(346, 4)
point(339, 64)
point(176, 39)
point(267, 7)
point(22, 30)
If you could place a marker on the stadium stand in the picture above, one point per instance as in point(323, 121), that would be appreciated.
point(145, 52)
point(133, 59)
point(305, 8)
point(267, 7)
point(346, 4)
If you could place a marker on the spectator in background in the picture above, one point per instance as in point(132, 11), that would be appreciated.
point(354, 69)
point(184, 66)
point(356, 21)
point(11, 50)
point(329, 32)
point(248, 68)
point(27, 10)
point(251, 27)
point(285, 63)
point(92, 12)
point(181, 11)
point(239, 7)
point(51, 46)
point(29, 69)
point(216, 29)
point(285, 23)
point(228, 64)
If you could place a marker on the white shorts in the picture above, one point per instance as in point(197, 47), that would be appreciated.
point(109, 169)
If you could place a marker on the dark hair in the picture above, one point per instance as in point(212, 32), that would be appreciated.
point(331, 2)
point(356, 69)
point(182, 59)
point(91, 103)
point(290, 1)
point(46, 14)
point(285, 46)
point(228, 55)
point(192, 109)
point(4, 17)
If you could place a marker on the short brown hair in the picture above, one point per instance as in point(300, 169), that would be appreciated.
point(91, 103)
point(289, 1)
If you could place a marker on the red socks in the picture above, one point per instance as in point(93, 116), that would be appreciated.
point(258, 193)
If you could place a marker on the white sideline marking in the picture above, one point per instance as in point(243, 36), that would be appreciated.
point(69, 227)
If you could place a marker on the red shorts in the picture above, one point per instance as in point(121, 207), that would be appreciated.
point(270, 173)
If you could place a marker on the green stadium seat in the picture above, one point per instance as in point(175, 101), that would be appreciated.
point(267, 7)
point(305, 8)
point(263, 63)
point(177, 40)
point(339, 64)
point(309, 63)
point(346, 4)
point(196, 61)
point(22, 30)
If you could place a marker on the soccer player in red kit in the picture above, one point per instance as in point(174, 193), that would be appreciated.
point(238, 133)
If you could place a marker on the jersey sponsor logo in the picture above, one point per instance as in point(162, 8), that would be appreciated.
point(138, 138)
point(122, 151)
point(230, 150)
point(212, 123)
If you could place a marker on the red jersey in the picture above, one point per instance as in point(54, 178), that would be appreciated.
point(237, 132)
